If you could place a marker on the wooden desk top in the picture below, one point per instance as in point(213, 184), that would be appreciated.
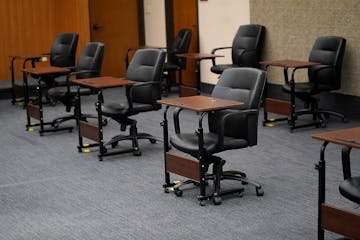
point(198, 56)
point(26, 56)
point(200, 103)
point(287, 63)
point(102, 82)
point(347, 137)
point(45, 70)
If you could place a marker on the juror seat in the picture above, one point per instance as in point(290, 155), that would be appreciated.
point(229, 129)
point(145, 69)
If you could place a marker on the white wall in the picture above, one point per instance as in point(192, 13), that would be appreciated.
point(218, 23)
point(155, 29)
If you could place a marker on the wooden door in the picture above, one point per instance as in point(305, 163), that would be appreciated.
point(116, 24)
point(185, 15)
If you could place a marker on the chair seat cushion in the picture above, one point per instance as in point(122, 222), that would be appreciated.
point(171, 67)
point(59, 92)
point(218, 69)
point(300, 88)
point(113, 109)
point(188, 142)
point(350, 188)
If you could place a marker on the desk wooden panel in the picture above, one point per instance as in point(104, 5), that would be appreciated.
point(340, 221)
point(102, 82)
point(288, 63)
point(198, 56)
point(200, 103)
point(38, 71)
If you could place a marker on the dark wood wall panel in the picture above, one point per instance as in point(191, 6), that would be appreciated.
point(29, 27)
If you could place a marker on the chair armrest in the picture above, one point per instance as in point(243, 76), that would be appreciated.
point(176, 114)
point(216, 49)
point(130, 89)
point(248, 119)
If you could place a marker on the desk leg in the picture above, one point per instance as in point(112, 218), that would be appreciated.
point(78, 106)
point(100, 125)
point(202, 169)
point(198, 77)
point(41, 131)
point(164, 124)
point(13, 94)
point(321, 168)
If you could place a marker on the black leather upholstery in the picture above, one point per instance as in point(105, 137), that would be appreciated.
point(350, 189)
point(88, 66)
point(232, 128)
point(145, 69)
point(246, 48)
point(181, 44)
point(329, 52)
point(63, 50)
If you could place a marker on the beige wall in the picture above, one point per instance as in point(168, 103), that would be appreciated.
point(218, 23)
point(293, 25)
point(155, 29)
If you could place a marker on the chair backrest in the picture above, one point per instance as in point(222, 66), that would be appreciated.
point(63, 50)
point(243, 85)
point(180, 44)
point(247, 45)
point(90, 60)
point(146, 66)
point(328, 51)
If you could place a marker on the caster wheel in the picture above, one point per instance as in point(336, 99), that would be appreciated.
point(41, 134)
point(166, 190)
point(104, 122)
point(114, 144)
point(70, 130)
point(153, 141)
point(259, 192)
point(202, 203)
point(244, 183)
point(196, 184)
point(178, 192)
point(100, 159)
point(137, 153)
point(217, 200)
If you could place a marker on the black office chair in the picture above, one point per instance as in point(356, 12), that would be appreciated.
point(325, 77)
point(246, 48)
point(62, 54)
point(88, 66)
point(181, 44)
point(145, 69)
point(228, 129)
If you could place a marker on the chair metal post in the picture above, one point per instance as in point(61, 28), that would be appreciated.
point(321, 199)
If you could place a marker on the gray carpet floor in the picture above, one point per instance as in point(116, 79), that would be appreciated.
point(50, 191)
